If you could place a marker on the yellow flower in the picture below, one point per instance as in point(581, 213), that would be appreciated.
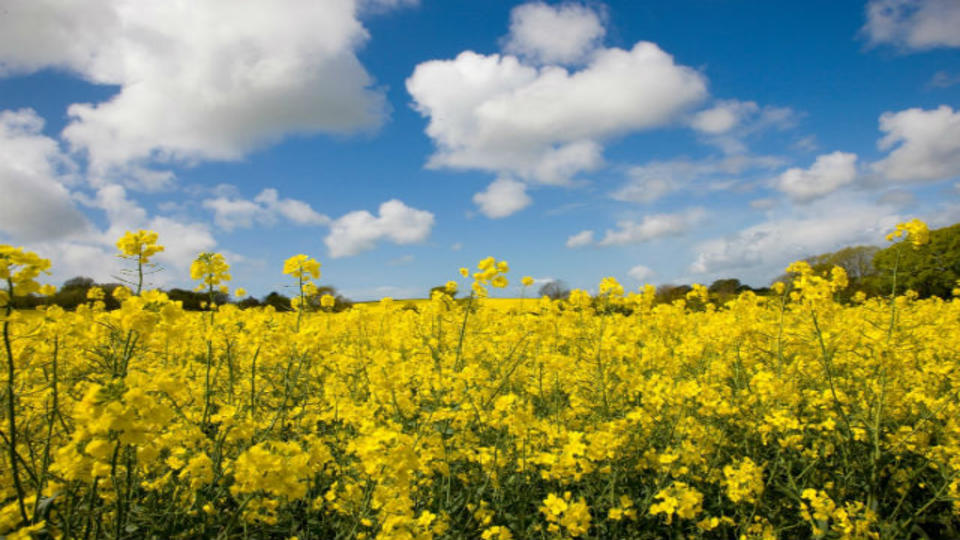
point(527, 281)
point(553, 505)
point(302, 267)
point(141, 244)
point(915, 230)
point(211, 269)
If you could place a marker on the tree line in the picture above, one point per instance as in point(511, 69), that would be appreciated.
point(930, 270)
point(73, 293)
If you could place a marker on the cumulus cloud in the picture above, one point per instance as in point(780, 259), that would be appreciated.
point(495, 113)
point(925, 145)
point(652, 227)
point(502, 198)
point(641, 273)
point(35, 204)
point(582, 238)
point(561, 34)
point(197, 80)
point(183, 239)
point(766, 248)
point(91, 251)
point(913, 24)
point(652, 181)
point(360, 230)
point(828, 173)
point(233, 213)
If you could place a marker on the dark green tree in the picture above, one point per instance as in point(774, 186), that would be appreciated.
point(931, 269)
point(278, 301)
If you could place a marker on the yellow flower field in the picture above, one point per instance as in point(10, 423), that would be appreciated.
point(604, 416)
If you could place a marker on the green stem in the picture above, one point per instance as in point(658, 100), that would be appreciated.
point(11, 404)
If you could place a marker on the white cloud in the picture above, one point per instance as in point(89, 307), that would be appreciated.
point(502, 198)
point(546, 124)
point(206, 80)
point(723, 117)
point(359, 231)
point(913, 24)
point(182, 242)
point(729, 122)
point(641, 273)
point(92, 252)
point(35, 204)
point(232, 213)
point(562, 34)
point(765, 249)
point(925, 143)
point(653, 226)
point(652, 181)
point(582, 238)
point(828, 173)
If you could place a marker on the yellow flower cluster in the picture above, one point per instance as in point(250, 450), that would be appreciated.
point(211, 270)
point(491, 272)
point(678, 499)
point(302, 267)
point(141, 244)
point(606, 416)
point(19, 271)
point(914, 231)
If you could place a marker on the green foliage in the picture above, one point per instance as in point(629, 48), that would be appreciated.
point(278, 301)
point(340, 302)
point(857, 261)
point(195, 301)
point(931, 269)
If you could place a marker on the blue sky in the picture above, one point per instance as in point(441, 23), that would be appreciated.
point(396, 141)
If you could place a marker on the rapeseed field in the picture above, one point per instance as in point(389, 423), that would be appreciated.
point(598, 416)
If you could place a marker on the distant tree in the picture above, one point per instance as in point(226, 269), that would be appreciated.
point(191, 300)
point(195, 301)
point(931, 270)
point(249, 302)
point(79, 282)
point(667, 294)
point(278, 301)
point(857, 261)
point(340, 302)
point(724, 286)
point(555, 290)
